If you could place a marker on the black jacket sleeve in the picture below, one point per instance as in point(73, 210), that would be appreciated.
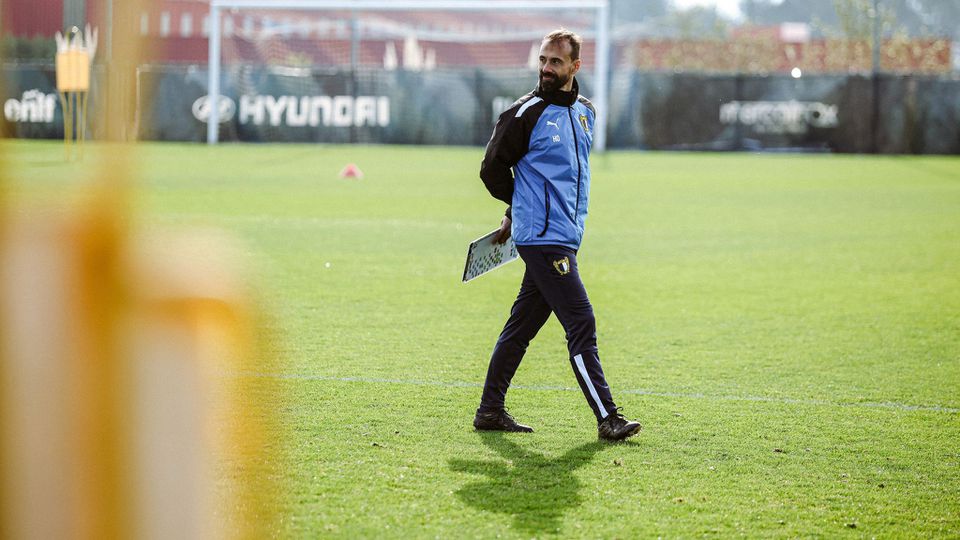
point(507, 145)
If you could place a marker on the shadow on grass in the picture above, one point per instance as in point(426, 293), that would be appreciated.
point(529, 486)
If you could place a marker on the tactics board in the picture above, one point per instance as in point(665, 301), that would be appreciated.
point(484, 255)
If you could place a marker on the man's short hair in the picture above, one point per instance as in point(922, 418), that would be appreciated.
point(561, 35)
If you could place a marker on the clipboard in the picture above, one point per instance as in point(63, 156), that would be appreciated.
point(483, 255)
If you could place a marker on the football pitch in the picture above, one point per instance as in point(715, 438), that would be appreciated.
point(785, 327)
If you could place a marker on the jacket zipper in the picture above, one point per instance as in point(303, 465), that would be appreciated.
point(576, 150)
point(546, 203)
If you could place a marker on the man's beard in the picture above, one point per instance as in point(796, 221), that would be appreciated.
point(552, 83)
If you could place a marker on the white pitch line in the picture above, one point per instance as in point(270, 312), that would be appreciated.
point(460, 384)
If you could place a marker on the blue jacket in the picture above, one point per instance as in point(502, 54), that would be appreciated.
point(545, 138)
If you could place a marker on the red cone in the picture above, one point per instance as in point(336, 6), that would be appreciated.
point(351, 171)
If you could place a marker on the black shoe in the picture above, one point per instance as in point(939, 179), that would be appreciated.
point(499, 420)
point(615, 427)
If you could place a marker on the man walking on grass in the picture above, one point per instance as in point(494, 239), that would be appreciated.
point(545, 137)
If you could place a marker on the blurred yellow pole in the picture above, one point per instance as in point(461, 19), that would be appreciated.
point(104, 502)
point(99, 378)
point(128, 405)
point(5, 528)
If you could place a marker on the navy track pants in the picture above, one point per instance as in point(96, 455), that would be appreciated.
point(551, 283)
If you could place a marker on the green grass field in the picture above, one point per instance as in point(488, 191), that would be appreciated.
point(786, 327)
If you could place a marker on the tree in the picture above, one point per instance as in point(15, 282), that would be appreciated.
point(699, 23)
point(939, 17)
point(766, 12)
point(632, 11)
point(850, 18)
point(856, 19)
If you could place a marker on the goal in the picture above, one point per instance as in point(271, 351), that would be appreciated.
point(387, 71)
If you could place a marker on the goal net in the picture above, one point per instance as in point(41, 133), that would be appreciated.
point(408, 72)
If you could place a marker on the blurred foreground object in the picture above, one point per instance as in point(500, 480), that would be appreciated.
point(75, 53)
point(121, 406)
point(123, 409)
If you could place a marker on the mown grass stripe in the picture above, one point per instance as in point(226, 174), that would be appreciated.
point(548, 388)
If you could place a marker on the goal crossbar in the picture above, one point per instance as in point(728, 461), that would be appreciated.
point(602, 49)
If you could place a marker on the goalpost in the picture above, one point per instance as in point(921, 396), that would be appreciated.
point(600, 34)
